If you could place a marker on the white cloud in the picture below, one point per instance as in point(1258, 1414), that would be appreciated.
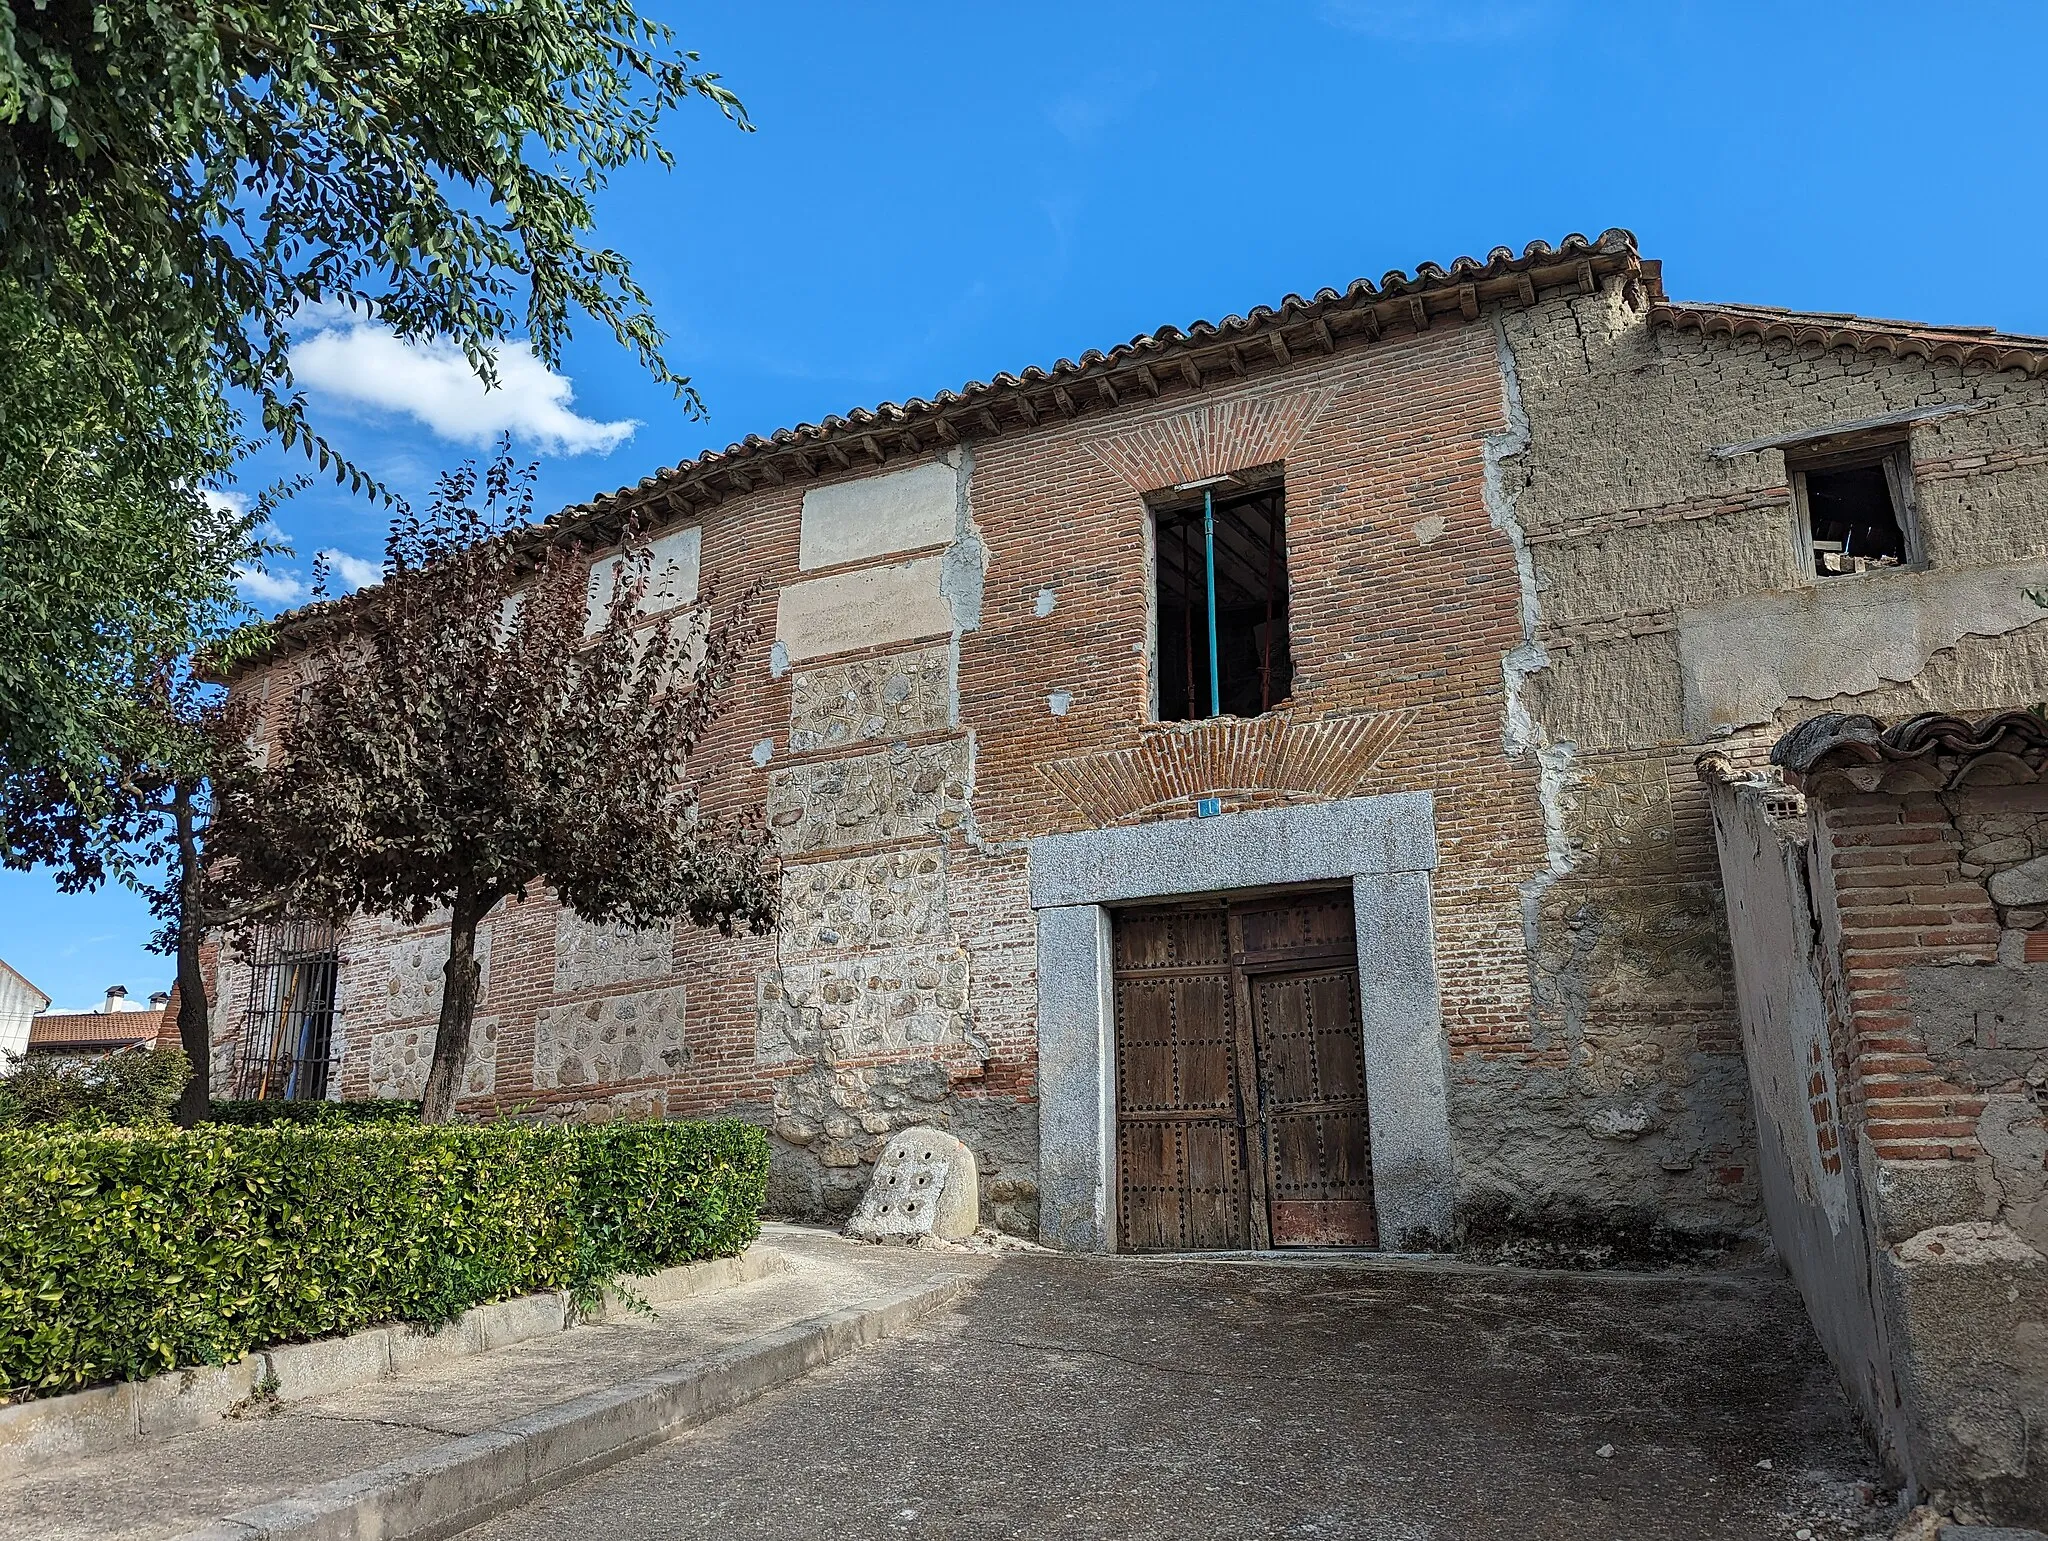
point(365, 364)
point(1410, 21)
point(353, 571)
point(225, 502)
point(272, 588)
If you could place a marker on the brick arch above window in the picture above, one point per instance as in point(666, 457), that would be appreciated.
point(1210, 440)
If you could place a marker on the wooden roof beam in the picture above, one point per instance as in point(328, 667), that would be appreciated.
point(1190, 373)
point(869, 443)
point(1279, 346)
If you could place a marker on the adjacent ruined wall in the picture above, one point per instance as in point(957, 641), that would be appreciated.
point(1890, 950)
point(1797, 1048)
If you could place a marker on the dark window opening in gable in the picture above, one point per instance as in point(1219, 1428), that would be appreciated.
point(1232, 531)
point(1855, 511)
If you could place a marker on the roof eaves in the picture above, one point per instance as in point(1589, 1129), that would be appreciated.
point(1263, 340)
point(1963, 346)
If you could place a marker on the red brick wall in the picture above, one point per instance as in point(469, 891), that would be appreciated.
point(1898, 900)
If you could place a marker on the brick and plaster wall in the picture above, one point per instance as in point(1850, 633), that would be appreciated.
point(1889, 949)
point(1503, 525)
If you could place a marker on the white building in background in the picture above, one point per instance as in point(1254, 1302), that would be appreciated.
point(19, 1002)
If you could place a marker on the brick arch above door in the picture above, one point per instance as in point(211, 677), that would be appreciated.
point(1221, 436)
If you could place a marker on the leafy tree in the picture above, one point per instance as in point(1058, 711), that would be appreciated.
point(183, 178)
point(459, 741)
point(143, 823)
point(178, 182)
point(113, 552)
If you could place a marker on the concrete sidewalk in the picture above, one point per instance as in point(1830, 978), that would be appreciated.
point(451, 1442)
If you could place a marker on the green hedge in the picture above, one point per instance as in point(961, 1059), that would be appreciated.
point(125, 1254)
point(319, 1115)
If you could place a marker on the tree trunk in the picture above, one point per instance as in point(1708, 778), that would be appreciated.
point(195, 1016)
point(461, 982)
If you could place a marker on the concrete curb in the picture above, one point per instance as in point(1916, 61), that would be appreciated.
point(103, 1419)
point(465, 1481)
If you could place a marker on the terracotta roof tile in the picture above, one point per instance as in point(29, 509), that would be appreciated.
point(93, 1029)
point(1960, 345)
point(1931, 750)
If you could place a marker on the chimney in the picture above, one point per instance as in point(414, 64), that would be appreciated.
point(117, 1000)
point(158, 999)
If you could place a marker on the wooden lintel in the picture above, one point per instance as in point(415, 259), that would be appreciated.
point(868, 443)
point(1280, 355)
point(1418, 312)
point(1525, 286)
point(1323, 337)
point(1064, 401)
point(1586, 281)
point(1147, 379)
point(1106, 391)
point(1030, 412)
point(1468, 301)
point(1190, 373)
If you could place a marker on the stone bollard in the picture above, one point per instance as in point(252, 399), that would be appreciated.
point(924, 1185)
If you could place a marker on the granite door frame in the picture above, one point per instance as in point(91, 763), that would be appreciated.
point(1386, 846)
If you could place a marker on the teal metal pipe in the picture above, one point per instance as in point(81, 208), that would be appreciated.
point(1209, 561)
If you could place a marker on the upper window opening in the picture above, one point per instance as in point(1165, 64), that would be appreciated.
point(1225, 538)
point(1856, 510)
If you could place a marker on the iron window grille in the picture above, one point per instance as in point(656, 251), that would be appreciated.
point(286, 1045)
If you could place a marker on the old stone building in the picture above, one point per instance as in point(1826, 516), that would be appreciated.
point(1242, 783)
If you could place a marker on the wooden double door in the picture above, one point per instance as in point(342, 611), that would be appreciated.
point(1240, 1076)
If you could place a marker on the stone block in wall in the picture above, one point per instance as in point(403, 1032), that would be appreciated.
point(590, 956)
point(870, 607)
point(395, 976)
point(401, 1056)
point(864, 901)
point(892, 697)
point(871, 516)
point(904, 790)
point(875, 1003)
point(618, 1038)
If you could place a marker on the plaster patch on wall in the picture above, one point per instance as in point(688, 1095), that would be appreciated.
point(1060, 702)
point(778, 660)
point(619, 1038)
point(1741, 660)
point(762, 753)
point(1430, 530)
point(1521, 732)
point(903, 510)
point(1047, 601)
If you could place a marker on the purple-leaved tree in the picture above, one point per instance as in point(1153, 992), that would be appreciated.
point(459, 741)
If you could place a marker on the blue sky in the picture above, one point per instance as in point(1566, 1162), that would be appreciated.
point(936, 194)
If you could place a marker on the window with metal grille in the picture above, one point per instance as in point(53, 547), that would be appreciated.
point(1220, 597)
point(286, 1045)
